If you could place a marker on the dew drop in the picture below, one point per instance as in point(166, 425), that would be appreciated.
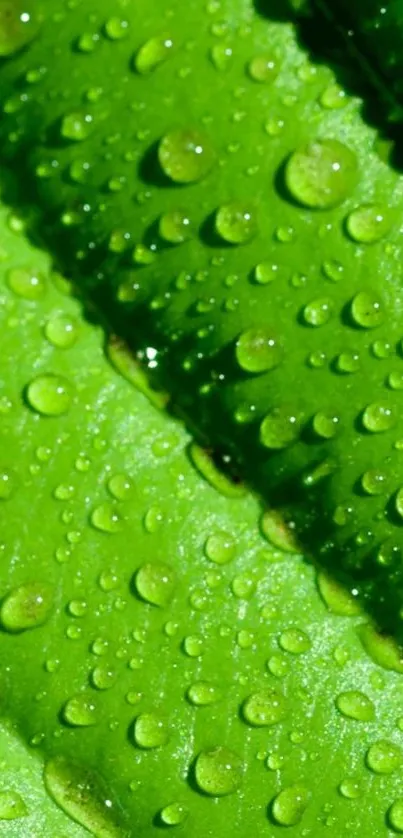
point(220, 548)
point(318, 312)
point(150, 731)
point(174, 814)
point(257, 351)
point(152, 54)
point(395, 815)
point(186, 156)
point(383, 757)
point(290, 804)
point(204, 693)
point(120, 486)
point(333, 97)
point(80, 711)
point(116, 28)
point(295, 641)
point(175, 226)
point(218, 771)
point(383, 650)
point(336, 597)
point(263, 69)
point(355, 705)
point(278, 532)
point(264, 708)
point(76, 126)
point(82, 796)
point(6, 484)
point(26, 607)
point(155, 583)
point(347, 363)
point(106, 518)
point(350, 788)
point(12, 805)
point(326, 425)
point(62, 331)
point(18, 27)
point(50, 395)
point(378, 418)
point(321, 174)
point(235, 223)
point(193, 645)
point(367, 310)
point(103, 677)
point(30, 285)
point(369, 224)
point(279, 429)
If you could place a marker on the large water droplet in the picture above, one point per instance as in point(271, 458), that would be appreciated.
point(218, 771)
point(175, 226)
point(378, 418)
point(81, 795)
point(50, 395)
point(355, 705)
point(321, 174)
point(26, 607)
point(220, 547)
point(153, 53)
point(264, 708)
point(150, 731)
point(186, 156)
point(155, 583)
point(384, 757)
point(106, 518)
point(318, 312)
point(290, 804)
point(395, 815)
point(235, 223)
point(257, 351)
point(367, 310)
point(280, 428)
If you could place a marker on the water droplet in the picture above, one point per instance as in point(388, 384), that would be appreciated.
point(355, 705)
point(26, 607)
point(153, 519)
point(103, 677)
point(395, 815)
point(174, 814)
point(203, 693)
point(265, 272)
point(395, 381)
point(235, 223)
point(220, 548)
point(12, 805)
point(6, 484)
point(62, 331)
point(367, 310)
point(30, 285)
point(106, 518)
point(150, 731)
point(374, 482)
point(336, 597)
point(280, 428)
point(290, 804)
point(221, 56)
point(318, 312)
point(80, 794)
point(193, 645)
point(257, 351)
point(116, 28)
point(350, 788)
point(369, 224)
point(278, 666)
point(264, 708)
point(295, 641)
point(278, 532)
point(175, 226)
point(152, 54)
point(263, 68)
point(186, 156)
point(155, 583)
point(321, 174)
point(76, 126)
point(378, 418)
point(49, 394)
point(383, 650)
point(80, 711)
point(120, 486)
point(326, 425)
point(333, 97)
point(218, 771)
point(384, 757)
point(243, 586)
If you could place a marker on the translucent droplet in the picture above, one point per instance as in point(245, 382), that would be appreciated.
point(221, 56)
point(326, 425)
point(120, 486)
point(174, 814)
point(333, 97)
point(80, 711)
point(384, 757)
point(383, 650)
point(30, 285)
point(322, 174)
point(355, 705)
point(103, 677)
point(220, 548)
point(155, 583)
point(278, 665)
point(265, 272)
point(12, 805)
point(236, 223)
point(290, 804)
point(153, 53)
point(116, 28)
point(337, 598)
point(264, 708)
point(374, 482)
point(76, 126)
point(318, 312)
point(295, 641)
point(80, 793)
point(278, 532)
point(395, 815)
point(18, 27)
point(88, 41)
point(257, 351)
point(175, 227)
point(395, 381)
point(263, 68)
point(62, 331)
point(203, 693)
point(153, 519)
point(193, 645)
point(50, 395)
point(369, 224)
point(280, 428)
point(347, 363)
point(350, 788)
point(378, 418)
point(150, 731)
point(26, 607)
point(106, 518)
point(218, 771)
point(186, 156)
point(6, 484)
point(243, 586)
point(367, 310)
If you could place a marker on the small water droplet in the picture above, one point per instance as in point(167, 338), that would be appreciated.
point(155, 583)
point(355, 705)
point(264, 708)
point(76, 126)
point(336, 597)
point(263, 68)
point(374, 482)
point(326, 425)
point(280, 428)
point(80, 711)
point(62, 331)
point(369, 224)
point(378, 418)
point(106, 518)
point(220, 547)
point(116, 28)
point(350, 788)
point(50, 395)
point(204, 693)
point(152, 54)
point(12, 805)
point(235, 223)
point(257, 351)
point(193, 645)
point(30, 285)
point(103, 677)
point(384, 757)
point(321, 174)
point(295, 641)
point(290, 804)
point(26, 607)
point(6, 484)
point(186, 156)
point(218, 771)
point(175, 226)
point(318, 312)
point(367, 310)
point(174, 814)
point(150, 731)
